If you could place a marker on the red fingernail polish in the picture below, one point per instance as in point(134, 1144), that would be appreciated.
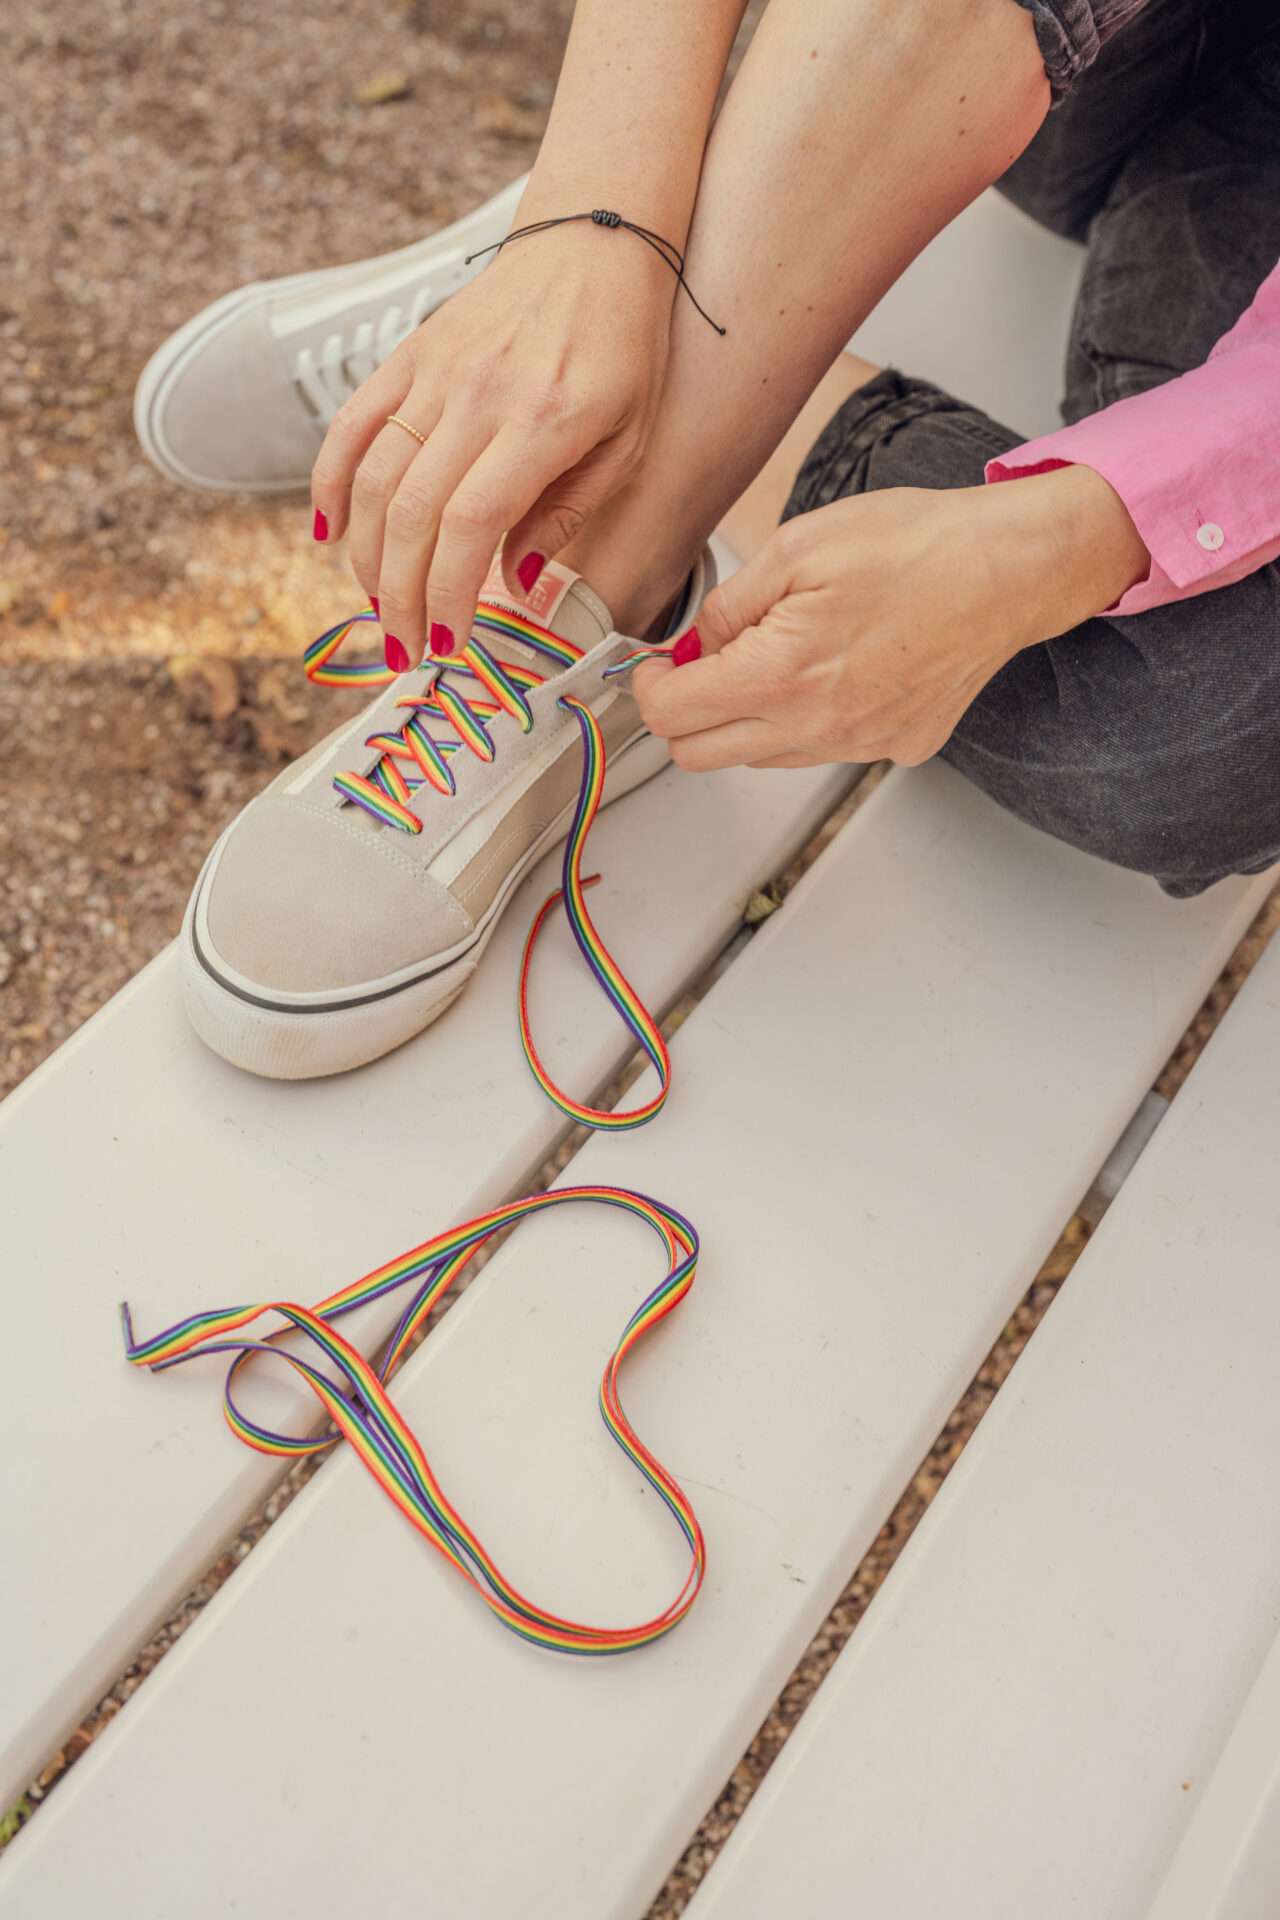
point(688, 647)
point(373, 602)
point(397, 658)
point(529, 569)
point(319, 526)
point(441, 637)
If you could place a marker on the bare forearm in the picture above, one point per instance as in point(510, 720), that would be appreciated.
point(855, 131)
point(632, 108)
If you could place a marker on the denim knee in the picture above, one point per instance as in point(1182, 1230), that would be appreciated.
point(1136, 81)
point(1162, 760)
point(897, 431)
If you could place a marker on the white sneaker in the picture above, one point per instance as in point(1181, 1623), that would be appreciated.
point(350, 903)
point(238, 400)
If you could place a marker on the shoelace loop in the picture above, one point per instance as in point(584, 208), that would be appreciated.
point(361, 1410)
point(413, 758)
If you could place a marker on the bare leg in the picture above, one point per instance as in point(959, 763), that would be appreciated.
point(757, 511)
point(854, 131)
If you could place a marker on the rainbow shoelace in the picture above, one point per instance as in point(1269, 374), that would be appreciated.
point(356, 1402)
point(362, 1412)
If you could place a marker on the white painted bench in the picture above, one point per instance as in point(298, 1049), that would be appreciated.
point(886, 1108)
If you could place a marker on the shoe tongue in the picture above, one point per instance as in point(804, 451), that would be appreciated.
point(559, 601)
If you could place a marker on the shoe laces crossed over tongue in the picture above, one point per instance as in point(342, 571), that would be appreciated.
point(516, 643)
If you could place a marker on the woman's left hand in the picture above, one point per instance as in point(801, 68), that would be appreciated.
point(862, 631)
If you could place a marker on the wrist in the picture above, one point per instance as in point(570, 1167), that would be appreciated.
point(1078, 547)
point(588, 255)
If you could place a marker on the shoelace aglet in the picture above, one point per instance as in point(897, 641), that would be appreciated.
point(686, 647)
point(636, 660)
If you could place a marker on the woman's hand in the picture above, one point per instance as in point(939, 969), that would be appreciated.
point(864, 630)
point(535, 387)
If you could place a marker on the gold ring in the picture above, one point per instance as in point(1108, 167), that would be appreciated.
point(394, 420)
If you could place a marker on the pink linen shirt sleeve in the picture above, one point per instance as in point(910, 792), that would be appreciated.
point(1196, 461)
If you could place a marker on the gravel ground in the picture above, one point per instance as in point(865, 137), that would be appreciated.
point(149, 640)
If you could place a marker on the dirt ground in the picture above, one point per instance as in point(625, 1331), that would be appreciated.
point(149, 639)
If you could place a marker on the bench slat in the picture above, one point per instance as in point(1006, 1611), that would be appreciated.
point(886, 1109)
point(136, 1163)
point(1032, 1709)
point(1228, 1865)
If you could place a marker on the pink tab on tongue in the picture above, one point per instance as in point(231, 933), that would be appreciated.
point(542, 602)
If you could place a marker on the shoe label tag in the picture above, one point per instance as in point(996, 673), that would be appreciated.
point(542, 601)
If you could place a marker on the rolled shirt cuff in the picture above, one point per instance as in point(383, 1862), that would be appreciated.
point(1071, 34)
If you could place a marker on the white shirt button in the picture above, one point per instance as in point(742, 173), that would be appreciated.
point(1210, 536)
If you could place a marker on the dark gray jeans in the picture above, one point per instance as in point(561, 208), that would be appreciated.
point(1151, 740)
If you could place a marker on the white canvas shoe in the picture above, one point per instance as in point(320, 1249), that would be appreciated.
point(351, 902)
point(238, 399)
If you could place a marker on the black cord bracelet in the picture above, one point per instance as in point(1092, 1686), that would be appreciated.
point(603, 217)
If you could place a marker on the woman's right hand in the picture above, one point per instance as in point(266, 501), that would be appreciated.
point(536, 387)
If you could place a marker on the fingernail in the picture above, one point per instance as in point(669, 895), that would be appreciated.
point(397, 658)
point(373, 602)
point(529, 569)
point(441, 638)
point(319, 526)
point(688, 647)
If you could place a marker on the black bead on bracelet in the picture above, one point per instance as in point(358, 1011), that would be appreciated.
point(604, 217)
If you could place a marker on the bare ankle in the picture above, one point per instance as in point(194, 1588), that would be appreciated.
point(640, 603)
